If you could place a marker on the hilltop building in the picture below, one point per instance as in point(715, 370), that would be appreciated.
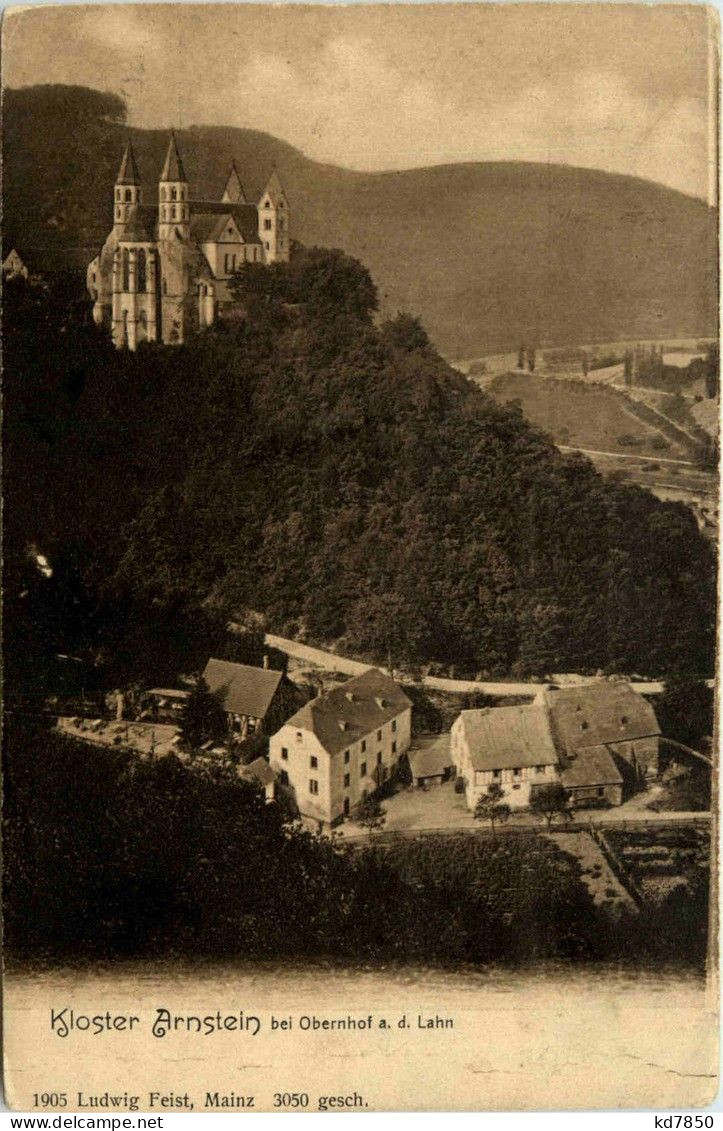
point(164, 269)
point(343, 745)
point(600, 740)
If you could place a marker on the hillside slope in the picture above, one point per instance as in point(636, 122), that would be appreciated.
point(485, 253)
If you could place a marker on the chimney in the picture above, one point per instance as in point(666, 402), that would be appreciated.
point(266, 661)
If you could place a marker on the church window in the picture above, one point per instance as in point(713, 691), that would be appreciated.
point(141, 270)
point(281, 204)
point(173, 194)
point(267, 204)
point(125, 270)
point(117, 213)
point(267, 225)
point(281, 224)
point(129, 194)
point(227, 263)
point(266, 245)
point(165, 285)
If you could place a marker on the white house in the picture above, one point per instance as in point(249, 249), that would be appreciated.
point(507, 746)
point(341, 746)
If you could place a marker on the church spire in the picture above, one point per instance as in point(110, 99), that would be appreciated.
point(128, 172)
point(234, 190)
point(174, 211)
point(173, 166)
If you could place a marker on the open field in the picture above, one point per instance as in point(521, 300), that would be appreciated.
point(585, 416)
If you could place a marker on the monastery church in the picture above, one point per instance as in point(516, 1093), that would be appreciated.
point(164, 269)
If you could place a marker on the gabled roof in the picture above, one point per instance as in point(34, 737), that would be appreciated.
point(352, 711)
point(593, 714)
point(502, 738)
point(233, 193)
point(128, 173)
point(209, 227)
point(432, 760)
point(594, 766)
point(246, 690)
point(173, 166)
point(259, 770)
point(245, 216)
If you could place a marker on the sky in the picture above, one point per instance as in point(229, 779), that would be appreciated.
point(623, 88)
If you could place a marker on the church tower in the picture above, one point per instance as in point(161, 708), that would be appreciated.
point(127, 190)
point(274, 221)
point(173, 208)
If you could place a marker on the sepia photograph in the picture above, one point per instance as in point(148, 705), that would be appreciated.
point(360, 496)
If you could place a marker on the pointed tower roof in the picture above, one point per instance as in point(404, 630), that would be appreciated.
point(173, 166)
point(274, 189)
point(128, 172)
point(234, 190)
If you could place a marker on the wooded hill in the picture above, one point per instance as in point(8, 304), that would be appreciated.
point(335, 478)
point(488, 254)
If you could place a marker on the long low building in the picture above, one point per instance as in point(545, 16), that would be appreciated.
point(343, 745)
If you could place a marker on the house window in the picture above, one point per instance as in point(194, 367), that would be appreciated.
point(299, 736)
point(601, 792)
point(281, 204)
point(363, 770)
point(346, 757)
point(394, 748)
point(281, 224)
point(313, 785)
point(379, 757)
point(516, 773)
point(379, 736)
point(284, 754)
point(346, 806)
point(394, 724)
point(267, 225)
point(314, 762)
point(347, 780)
point(363, 745)
point(624, 720)
point(266, 245)
point(516, 786)
point(496, 773)
point(584, 725)
point(284, 777)
point(539, 769)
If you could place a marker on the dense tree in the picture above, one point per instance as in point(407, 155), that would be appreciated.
point(490, 806)
point(551, 801)
point(203, 718)
point(301, 472)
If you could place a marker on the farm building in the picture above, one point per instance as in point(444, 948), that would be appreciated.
point(507, 746)
point(432, 763)
point(599, 739)
point(610, 717)
point(255, 699)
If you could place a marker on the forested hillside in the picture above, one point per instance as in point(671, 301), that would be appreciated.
point(488, 254)
point(332, 479)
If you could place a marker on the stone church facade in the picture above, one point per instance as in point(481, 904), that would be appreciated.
point(163, 272)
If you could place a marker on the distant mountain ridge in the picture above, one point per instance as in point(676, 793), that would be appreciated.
point(487, 254)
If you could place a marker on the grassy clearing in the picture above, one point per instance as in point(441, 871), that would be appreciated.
point(584, 416)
